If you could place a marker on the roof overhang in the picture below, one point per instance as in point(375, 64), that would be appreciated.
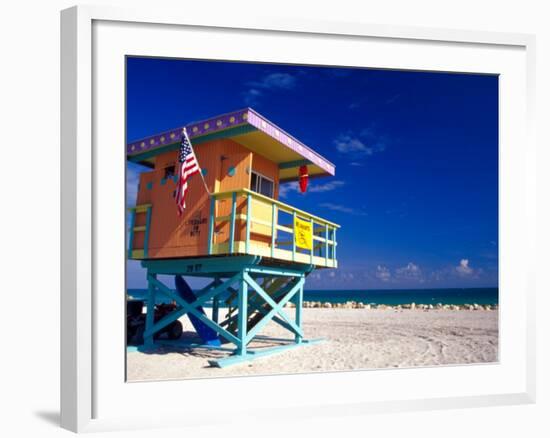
point(246, 127)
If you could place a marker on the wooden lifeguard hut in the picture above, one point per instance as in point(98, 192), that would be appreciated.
point(256, 250)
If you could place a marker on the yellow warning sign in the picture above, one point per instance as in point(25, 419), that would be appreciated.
point(303, 233)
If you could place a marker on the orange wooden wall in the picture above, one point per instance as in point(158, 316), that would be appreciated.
point(187, 236)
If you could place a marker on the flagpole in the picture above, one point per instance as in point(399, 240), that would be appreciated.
point(200, 171)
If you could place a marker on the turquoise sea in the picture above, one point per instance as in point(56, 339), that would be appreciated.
point(487, 295)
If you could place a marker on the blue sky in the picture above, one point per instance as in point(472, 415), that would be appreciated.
point(416, 155)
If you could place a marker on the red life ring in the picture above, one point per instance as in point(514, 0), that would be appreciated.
point(304, 177)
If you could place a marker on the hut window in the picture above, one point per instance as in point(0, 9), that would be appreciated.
point(261, 184)
point(169, 171)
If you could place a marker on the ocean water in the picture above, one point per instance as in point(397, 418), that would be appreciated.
point(406, 296)
point(484, 296)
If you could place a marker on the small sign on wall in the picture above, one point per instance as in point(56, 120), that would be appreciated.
point(303, 233)
point(195, 223)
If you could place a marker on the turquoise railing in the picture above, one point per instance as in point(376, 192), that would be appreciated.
point(324, 232)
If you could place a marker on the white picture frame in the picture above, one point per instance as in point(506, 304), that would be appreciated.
point(91, 385)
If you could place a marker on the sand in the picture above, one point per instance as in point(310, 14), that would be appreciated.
point(354, 339)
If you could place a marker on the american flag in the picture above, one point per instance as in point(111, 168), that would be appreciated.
point(188, 166)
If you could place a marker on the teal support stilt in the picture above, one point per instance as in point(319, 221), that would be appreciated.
point(192, 309)
point(254, 301)
point(276, 308)
point(243, 317)
point(148, 340)
point(216, 309)
point(276, 319)
point(216, 304)
point(257, 307)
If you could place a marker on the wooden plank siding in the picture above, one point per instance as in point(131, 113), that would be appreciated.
point(186, 236)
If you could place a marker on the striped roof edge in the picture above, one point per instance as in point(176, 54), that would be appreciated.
point(243, 117)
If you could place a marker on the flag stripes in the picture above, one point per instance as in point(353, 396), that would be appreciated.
point(188, 166)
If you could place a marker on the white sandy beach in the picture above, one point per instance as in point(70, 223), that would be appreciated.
point(355, 339)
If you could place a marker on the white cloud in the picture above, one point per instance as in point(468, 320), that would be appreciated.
point(410, 272)
point(280, 81)
point(342, 208)
point(365, 144)
point(286, 188)
point(464, 268)
point(270, 82)
point(252, 96)
point(383, 273)
point(346, 144)
point(327, 187)
point(463, 271)
point(410, 268)
point(314, 276)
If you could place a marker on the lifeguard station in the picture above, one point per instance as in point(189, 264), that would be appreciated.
point(256, 250)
